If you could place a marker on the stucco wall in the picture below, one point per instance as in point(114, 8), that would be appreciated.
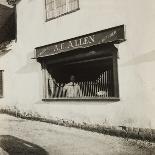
point(23, 76)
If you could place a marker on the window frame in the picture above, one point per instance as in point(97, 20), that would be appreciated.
point(116, 96)
point(67, 12)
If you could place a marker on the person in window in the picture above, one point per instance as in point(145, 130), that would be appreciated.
point(72, 89)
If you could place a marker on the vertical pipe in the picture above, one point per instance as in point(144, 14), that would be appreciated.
point(111, 93)
point(110, 83)
point(95, 92)
point(56, 91)
point(80, 83)
point(100, 85)
point(103, 82)
point(60, 90)
point(86, 88)
point(106, 82)
point(81, 86)
point(91, 88)
point(63, 95)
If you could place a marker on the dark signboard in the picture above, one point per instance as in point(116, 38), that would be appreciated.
point(115, 34)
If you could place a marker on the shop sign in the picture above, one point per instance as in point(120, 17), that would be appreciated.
point(115, 34)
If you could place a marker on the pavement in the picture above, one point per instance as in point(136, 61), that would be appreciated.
point(25, 137)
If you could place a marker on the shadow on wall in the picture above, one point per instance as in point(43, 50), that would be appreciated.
point(31, 65)
point(15, 146)
point(147, 57)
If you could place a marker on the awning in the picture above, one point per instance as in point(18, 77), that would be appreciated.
point(112, 35)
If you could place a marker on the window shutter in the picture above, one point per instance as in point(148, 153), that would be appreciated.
point(1, 83)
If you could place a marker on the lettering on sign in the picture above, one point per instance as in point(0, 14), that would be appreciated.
point(72, 44)
point(109, 36)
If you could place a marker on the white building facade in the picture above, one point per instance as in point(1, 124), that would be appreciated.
point(57, 39)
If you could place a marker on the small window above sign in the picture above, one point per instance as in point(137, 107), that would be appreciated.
point(57, 8)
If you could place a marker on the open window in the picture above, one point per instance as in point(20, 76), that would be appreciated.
point(94, 70)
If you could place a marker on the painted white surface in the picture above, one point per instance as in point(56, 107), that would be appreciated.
point(23, 76)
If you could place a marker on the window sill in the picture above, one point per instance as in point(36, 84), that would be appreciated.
point(114, 99)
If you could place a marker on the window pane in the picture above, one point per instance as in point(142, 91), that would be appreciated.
point(60, 3)
point(60, 7)
point(73, 5)
point(48, 1)
point(50, 9)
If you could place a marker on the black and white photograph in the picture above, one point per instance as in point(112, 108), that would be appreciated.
point(77, 77)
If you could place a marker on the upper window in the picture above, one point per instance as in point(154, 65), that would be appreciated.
point(56, 8)
point(1, 83)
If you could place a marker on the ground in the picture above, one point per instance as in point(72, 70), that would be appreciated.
point(25, 137)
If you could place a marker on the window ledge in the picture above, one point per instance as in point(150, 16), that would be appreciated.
point(115, 99)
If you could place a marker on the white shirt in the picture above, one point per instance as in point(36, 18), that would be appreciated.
point(72, 90)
